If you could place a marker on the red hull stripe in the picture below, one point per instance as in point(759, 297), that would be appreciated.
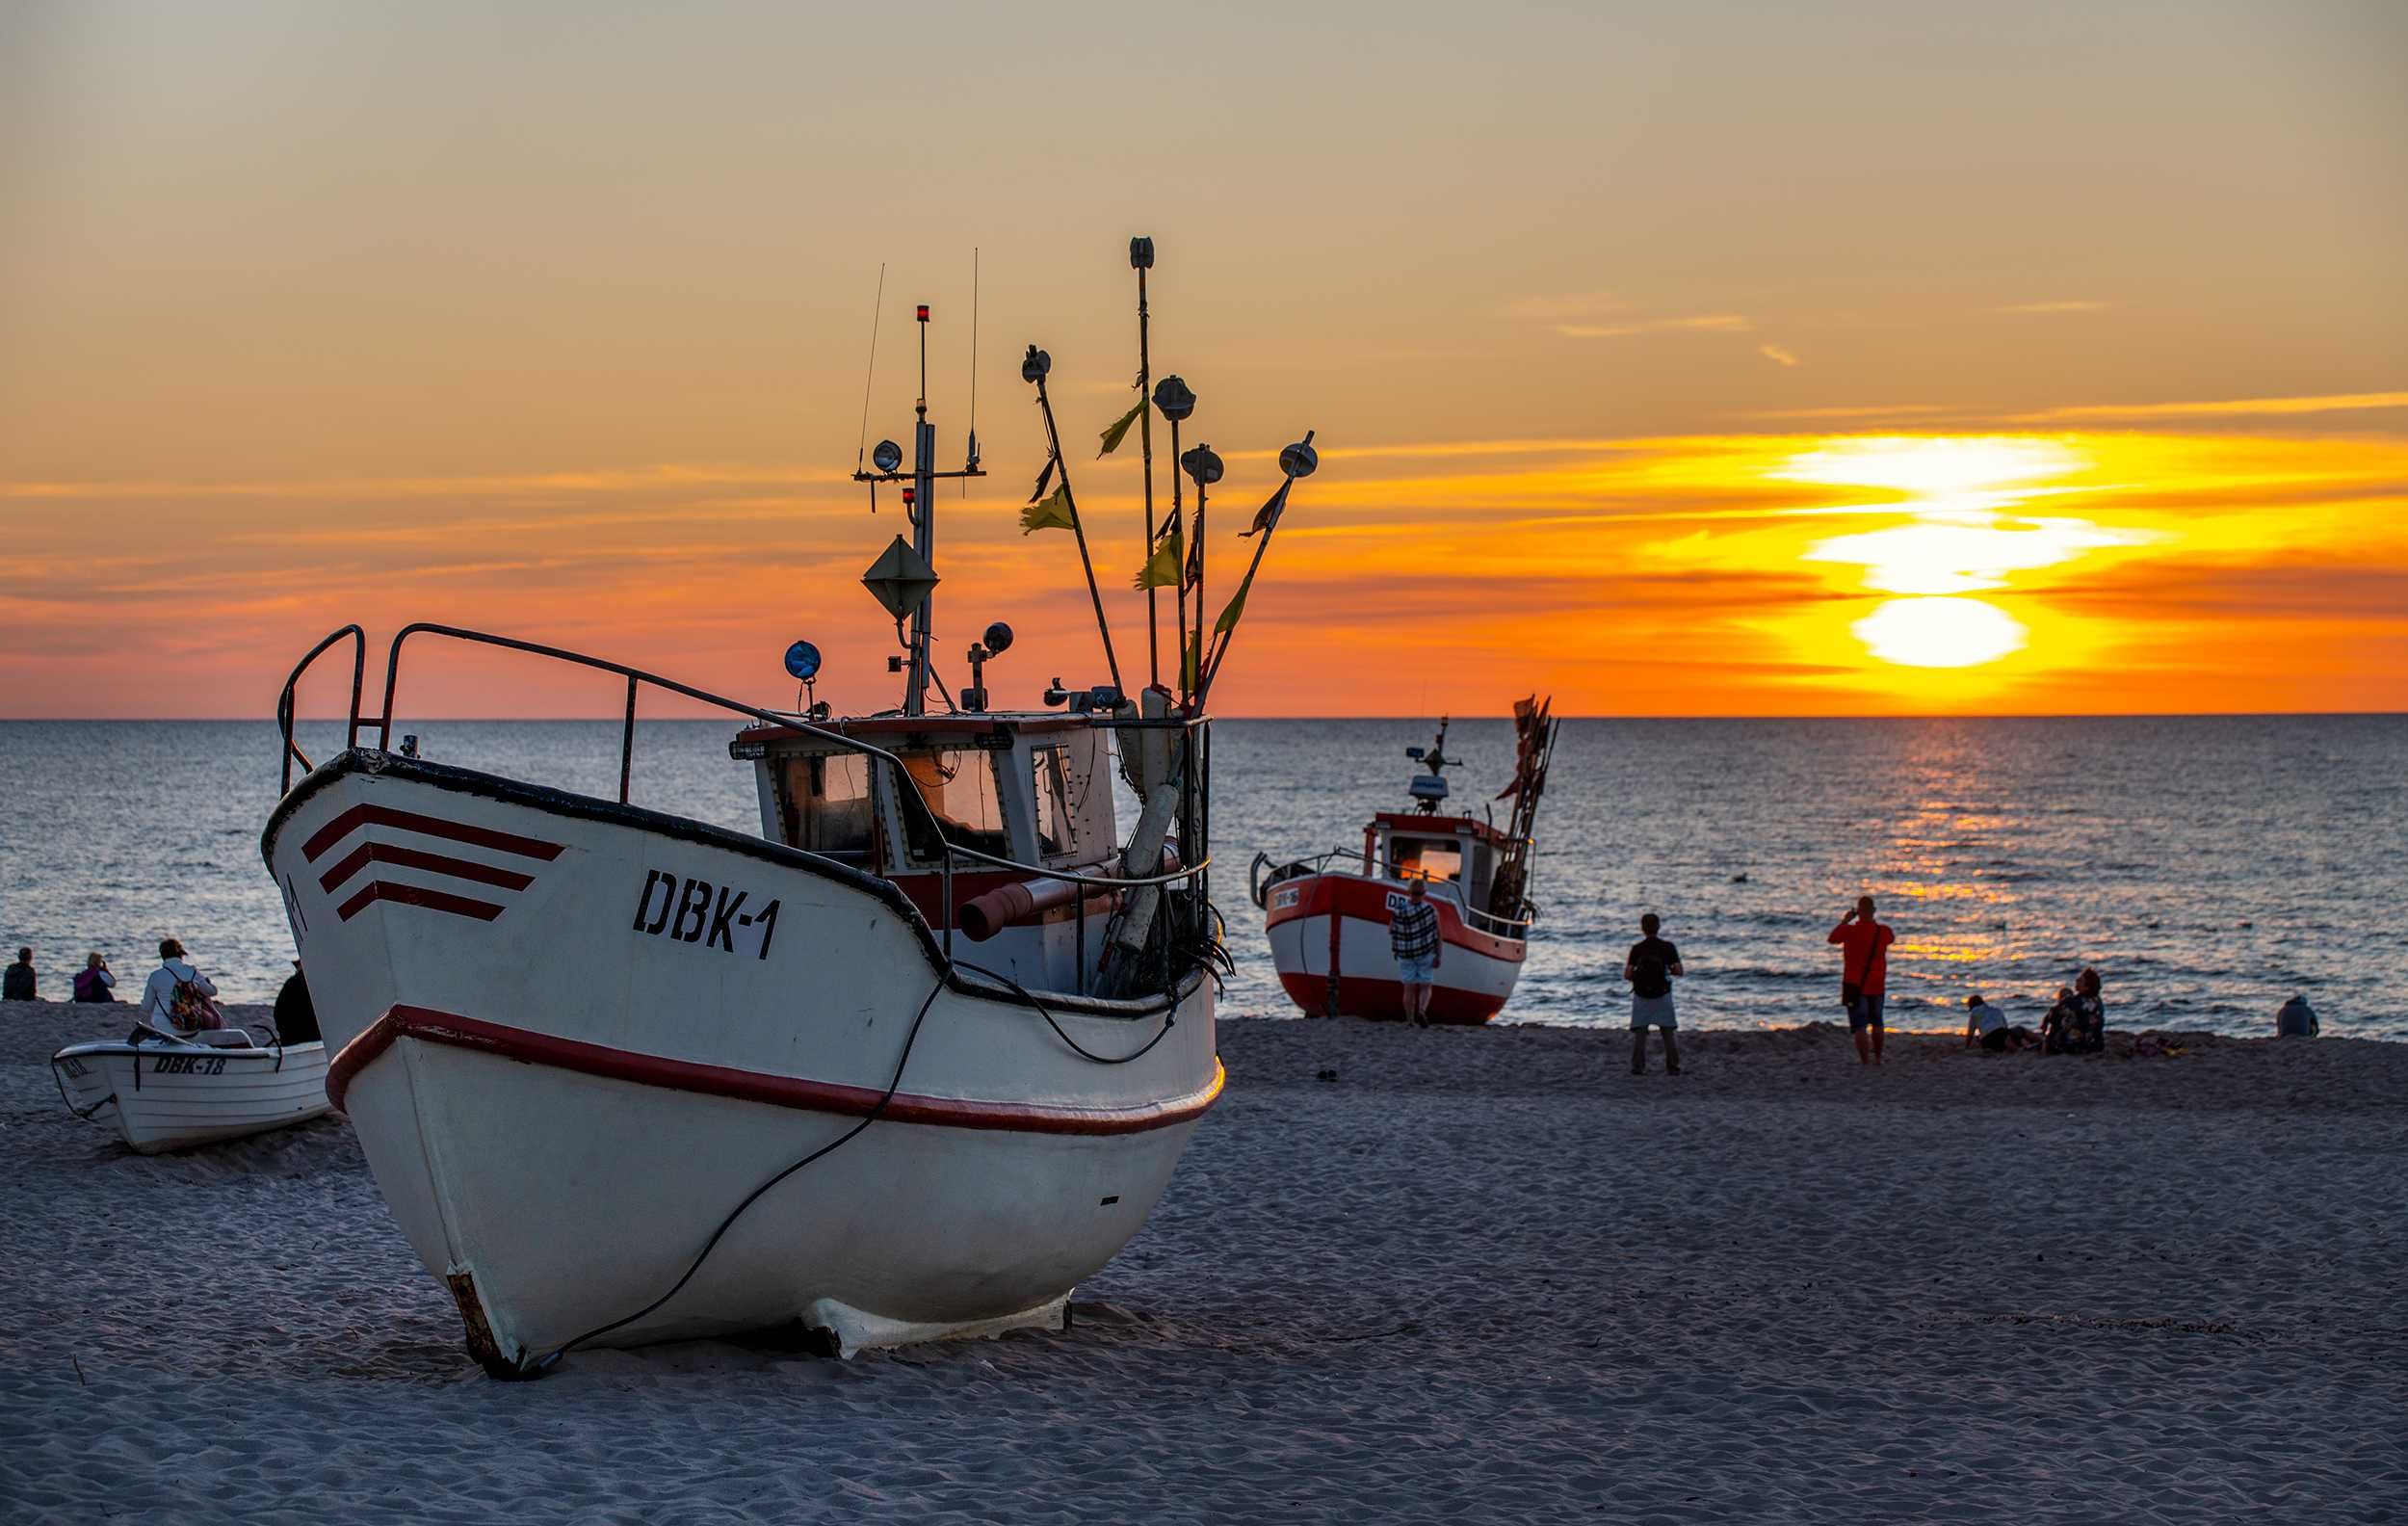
point(417, 896)
point(1367, 901)
point(429, 1026)
point(335, 830)
point(365, 854)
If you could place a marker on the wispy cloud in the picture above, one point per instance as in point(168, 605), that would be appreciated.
point(636, 480)
point(1778, 354)
point(2230, 407)
point(1563, 309)
point(1702, 323)
point(2045, 310)
point(1855, 411)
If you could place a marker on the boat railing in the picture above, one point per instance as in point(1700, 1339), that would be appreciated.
point(1286, 869)
point(284, 700)
point(637, 677)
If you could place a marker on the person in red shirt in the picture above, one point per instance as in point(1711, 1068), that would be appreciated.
point(1864, 976)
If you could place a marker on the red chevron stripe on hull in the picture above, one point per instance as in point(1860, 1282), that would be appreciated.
point(342, 827)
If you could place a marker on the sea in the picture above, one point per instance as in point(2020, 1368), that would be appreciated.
point(2208, 866)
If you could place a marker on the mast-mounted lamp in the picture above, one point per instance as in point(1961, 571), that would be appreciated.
point(1172, 396)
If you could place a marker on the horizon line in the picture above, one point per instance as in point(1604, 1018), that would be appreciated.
point(1920, 715)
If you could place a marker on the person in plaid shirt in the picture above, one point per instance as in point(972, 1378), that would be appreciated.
point(1413, 938)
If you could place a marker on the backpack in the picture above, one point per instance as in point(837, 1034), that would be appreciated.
point(190, 1012)
point(1647, 972)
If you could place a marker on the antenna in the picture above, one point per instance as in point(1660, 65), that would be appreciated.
point(877, 307)
point(970, 462)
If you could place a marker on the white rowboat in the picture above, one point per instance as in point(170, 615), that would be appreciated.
point(164, 1095)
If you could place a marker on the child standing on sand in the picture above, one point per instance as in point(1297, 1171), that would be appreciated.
point(1864, 976)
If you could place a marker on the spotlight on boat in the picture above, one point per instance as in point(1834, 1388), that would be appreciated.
point(982, 651)
point(1173, 398)
point(1202, 465)
point(887, 456)
point(1034, 364)
point(802, 661)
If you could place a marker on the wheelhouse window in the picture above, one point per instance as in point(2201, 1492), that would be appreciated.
point(828, 795)
point(1054, 831)
point(1433, 858)
point(958, 786)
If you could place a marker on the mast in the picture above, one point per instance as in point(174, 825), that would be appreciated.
point(1142, 260)
point(905, 584)
point(923, 528)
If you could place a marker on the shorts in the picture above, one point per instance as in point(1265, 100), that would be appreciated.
point(1994, 1039)
point(1865, 1011)
point(1652, 1011)
point(1417, 971)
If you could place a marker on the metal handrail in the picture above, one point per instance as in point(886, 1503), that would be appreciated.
point(284, 700)
point(636, 675)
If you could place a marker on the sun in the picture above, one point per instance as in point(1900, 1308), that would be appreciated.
point(1939, 632)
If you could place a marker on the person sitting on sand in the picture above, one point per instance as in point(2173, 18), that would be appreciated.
point(18, 984)
point(1864, 976)
point(2296, 1019)
point(94, 983)
point(2058, 1029)
point(1988, 1027)
point(295, 1015)
point(177, 998)
point(1413, 938)
point(1651, 967)
point(2091, 1010)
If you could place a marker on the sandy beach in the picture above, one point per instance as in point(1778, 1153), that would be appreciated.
point(1479, 1275)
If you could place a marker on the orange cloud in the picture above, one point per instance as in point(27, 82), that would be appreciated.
point(1791, 572)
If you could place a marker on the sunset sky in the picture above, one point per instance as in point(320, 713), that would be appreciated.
point(1681, 359)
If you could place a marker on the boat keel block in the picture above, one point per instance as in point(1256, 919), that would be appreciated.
point(855, 1330)
point(480, 1332)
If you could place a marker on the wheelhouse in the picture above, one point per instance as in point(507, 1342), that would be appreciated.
point(1456, 852)
point(1033, 788)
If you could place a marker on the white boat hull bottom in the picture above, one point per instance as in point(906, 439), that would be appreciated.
point(170, 1096)
point(1468, 987)
point(571, 1234)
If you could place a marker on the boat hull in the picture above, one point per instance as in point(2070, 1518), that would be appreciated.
point(572, 1071)
point(161, 1096)
point(1323, 922)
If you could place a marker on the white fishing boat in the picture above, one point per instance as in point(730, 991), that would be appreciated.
point(1326, 915)
point(165, 1093)
point(911, 1062)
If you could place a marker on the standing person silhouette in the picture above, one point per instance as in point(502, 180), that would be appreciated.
point(1651, 968)
point(1864, 976)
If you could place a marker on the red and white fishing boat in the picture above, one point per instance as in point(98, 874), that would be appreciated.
point(910, 1063)
point(1328, 915)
